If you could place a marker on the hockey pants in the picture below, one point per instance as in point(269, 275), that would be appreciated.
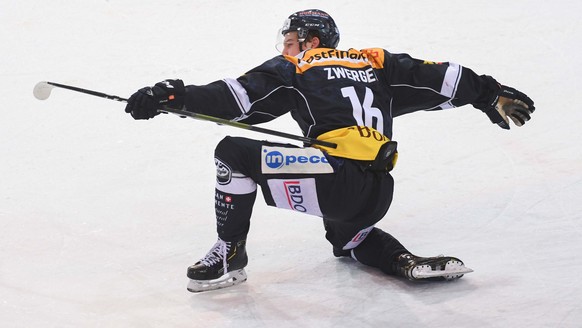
point(349, 198)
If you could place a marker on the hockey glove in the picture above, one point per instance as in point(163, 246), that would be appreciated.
point(510, 104)
point(145, 103)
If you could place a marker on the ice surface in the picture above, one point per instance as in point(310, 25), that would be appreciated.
point(100, 215)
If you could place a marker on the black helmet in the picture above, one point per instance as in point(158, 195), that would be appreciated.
point(313, 20)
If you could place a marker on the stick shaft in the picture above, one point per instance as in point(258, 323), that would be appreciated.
point(203, 117)
point(240, 125)
point(89, 92)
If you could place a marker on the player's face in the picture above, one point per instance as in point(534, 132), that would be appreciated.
point(291, 45)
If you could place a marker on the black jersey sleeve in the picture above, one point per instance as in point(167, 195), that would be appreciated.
point(258, 96)
point(424, 85)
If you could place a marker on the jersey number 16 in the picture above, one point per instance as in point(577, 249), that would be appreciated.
point(363, 112)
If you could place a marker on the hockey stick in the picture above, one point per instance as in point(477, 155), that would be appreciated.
point(42, 90)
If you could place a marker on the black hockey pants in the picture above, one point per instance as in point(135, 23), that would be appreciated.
point(349, 197)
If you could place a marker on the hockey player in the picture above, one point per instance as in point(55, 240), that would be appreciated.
point(347, 97)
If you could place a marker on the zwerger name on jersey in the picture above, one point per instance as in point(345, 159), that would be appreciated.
point(352, 74)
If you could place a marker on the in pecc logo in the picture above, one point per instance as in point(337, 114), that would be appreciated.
point(275, 159)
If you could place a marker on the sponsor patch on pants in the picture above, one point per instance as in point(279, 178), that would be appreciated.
point(276, 160)
point(295, 194)
point(223, 172)
point(358, 238)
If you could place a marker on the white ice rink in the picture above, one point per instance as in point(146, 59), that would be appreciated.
point(100, 215)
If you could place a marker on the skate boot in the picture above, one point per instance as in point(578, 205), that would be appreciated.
point(222, 267)
point(431, 268)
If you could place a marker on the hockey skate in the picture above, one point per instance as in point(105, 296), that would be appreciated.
point(431, 268)
point(222, 267)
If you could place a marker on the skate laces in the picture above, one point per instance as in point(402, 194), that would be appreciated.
point(216, 254)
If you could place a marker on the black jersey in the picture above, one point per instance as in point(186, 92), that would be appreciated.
point(327, 89)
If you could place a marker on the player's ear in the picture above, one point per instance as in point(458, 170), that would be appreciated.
point(315, 42)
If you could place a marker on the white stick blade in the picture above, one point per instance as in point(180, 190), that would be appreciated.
point(42, 90)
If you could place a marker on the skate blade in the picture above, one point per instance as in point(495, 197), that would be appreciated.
point(228, 280)
point(453, 270)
